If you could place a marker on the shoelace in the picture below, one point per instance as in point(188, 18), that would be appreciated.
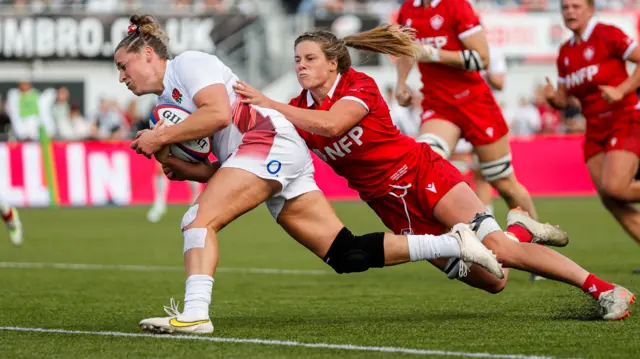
point(172, 310)
point(463, 269)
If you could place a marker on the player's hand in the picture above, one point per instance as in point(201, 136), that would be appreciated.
point(147, 142)
point(403, 95)
point(611, 94)
point(250, 95)
point(549, 91)
point(162, 156)
point(429, 54)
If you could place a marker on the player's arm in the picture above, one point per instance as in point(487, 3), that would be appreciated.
point(497, 70)
point(632, 83)
point(178, 170)
point(475, 56)
point(496, 81)
point(342, 116)
point(557, 98)
point(213, 114)
point(623, 47)
point(403, 92)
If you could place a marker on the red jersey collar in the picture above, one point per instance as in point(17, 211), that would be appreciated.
point(310, 101)
point(587, 32)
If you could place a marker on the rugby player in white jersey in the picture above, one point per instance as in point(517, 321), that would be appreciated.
point(261, 158)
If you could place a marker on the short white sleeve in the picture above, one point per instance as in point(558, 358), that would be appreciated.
point(497, 61)
point(197, 70)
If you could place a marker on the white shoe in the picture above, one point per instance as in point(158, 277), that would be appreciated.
point(14, 226)
point(156, 213)
point(615, 303)
point(472, 251)
point(545, 234)
point(175, 323)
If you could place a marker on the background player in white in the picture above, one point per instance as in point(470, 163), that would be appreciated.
point(160, 192)
point(12, 221)
point(261, 159)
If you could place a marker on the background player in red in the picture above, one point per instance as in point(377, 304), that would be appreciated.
point(344, 119)
point(592, 67)
point(457, 101)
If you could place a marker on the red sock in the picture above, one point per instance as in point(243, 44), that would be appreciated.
point(594, 286)
point(521, 233)
point(7, 217)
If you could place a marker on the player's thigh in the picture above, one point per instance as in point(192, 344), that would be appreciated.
point(459, 205)
point(310, 220)
point(443, 128)
point(493, 151)
point(618, 170)
point(595, 165)
point(230, 193)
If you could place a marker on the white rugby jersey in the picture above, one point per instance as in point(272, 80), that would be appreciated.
point(190, 72)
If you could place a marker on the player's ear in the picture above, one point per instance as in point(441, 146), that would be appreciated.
point(147, 53)
point(333, 64)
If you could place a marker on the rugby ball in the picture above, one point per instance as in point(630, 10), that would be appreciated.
point(190, 151)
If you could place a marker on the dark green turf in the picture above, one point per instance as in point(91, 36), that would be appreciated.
point(412, 306)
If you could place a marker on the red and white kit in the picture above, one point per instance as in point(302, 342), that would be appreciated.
point(600, 59)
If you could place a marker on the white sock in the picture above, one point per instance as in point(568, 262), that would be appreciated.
point(197, 297)
point(161, 191)
point(426, 247)
point(4, 208)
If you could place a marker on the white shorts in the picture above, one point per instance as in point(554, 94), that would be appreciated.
point(280, 155)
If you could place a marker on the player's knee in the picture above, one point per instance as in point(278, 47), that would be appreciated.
point(502, 247)
point(615, 189)
point(212, 220)
point(615, 206)
point(195, 236)
point(495, 286)
point(437, 144)
point(498, 170)
point(352, 254)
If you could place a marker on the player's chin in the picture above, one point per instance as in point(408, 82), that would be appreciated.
point(572, 24)
point(306, 81)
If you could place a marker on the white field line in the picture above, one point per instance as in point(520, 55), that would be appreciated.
point(282, 343)
point(143, 268)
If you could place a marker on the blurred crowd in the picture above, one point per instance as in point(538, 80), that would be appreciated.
point(292, 6)
point(107, 6)
point(28, 112)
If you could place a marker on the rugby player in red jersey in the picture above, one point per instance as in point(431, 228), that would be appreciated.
point(344, 119)
point(592, 68)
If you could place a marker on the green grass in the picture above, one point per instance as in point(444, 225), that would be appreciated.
point(411, 306)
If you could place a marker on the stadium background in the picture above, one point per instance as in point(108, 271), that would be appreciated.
point(84, 278)
point(63, 49)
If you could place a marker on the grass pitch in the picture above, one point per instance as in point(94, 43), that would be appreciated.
point(130, 268)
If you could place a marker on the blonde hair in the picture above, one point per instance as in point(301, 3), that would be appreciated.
point(394, 40)
point(145, 31)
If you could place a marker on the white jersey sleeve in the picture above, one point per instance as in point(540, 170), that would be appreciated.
point(197, 70)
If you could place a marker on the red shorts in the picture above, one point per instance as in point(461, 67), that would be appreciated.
point(617, 131)
point(425, 184)
point(480, 120)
